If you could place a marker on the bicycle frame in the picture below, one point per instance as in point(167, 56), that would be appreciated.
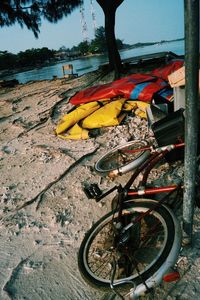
point(126, 194)
point(157, 154)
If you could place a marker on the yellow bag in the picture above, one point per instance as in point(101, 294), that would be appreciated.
point(139, 108)
point(76, 133)
point(130, 105)
point(107, 115)
point(76, 115)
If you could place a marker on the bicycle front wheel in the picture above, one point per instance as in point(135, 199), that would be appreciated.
point(122, 158)
point(149, 244)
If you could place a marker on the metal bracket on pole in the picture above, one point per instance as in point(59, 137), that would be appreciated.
point(191, 113)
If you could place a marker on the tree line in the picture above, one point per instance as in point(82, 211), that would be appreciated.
point(32, 12)
point(96, 45)
point(37, 57)
point(28, 58)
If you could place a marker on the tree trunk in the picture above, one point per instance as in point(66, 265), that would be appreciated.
point(109, 7)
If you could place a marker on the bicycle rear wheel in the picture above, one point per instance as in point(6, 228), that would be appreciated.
point(150, 243)
point(122, 158)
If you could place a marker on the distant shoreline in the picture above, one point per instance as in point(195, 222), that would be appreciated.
point(138, 45)
point(8, 72)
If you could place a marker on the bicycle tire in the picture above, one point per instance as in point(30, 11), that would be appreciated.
point(171, 241)
point(116, 161)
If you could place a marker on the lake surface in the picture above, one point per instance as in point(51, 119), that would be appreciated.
point(92, 63)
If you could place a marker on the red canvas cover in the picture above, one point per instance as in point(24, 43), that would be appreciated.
point(121, 87)
point(164, 72)
point(136, 86)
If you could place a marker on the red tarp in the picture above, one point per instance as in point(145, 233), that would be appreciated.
point(163, 72)
point(137, 86)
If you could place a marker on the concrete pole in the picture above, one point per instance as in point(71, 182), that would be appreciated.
point(191, 113)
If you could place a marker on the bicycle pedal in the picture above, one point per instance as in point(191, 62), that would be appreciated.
point(92, 191)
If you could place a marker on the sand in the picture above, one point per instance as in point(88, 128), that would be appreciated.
point(43, 209)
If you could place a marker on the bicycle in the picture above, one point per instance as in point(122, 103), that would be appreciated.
point(138, 242)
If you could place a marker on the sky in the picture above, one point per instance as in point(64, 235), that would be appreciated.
point(136, 21)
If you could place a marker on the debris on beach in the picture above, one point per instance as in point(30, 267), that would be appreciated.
point(108, 104)
point(44, 213)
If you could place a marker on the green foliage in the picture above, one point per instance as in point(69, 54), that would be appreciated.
point(30, 57)
point(31, 12)
point(83, 47)
point(98, 44)
point(33, 57)
point(120, 44)
point(100, 33)
point(7, 60)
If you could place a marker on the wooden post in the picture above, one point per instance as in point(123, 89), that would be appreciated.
point(191, 113)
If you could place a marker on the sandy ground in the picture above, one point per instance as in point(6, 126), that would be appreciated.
point(44, 212)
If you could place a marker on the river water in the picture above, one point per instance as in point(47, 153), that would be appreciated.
point(88, 64)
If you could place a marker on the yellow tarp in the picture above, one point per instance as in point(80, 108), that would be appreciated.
point(105, 116)
point(139, 107)
point(92, 115)
point(76, 115)
point(76, 133)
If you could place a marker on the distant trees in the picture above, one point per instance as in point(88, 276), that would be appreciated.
point(97, 45)
point(31, 12)
point(28, 58)
point(7, 60)
point(83, 47)
point(34, 57)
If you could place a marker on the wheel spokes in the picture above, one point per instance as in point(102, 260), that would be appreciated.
point(145, 244)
